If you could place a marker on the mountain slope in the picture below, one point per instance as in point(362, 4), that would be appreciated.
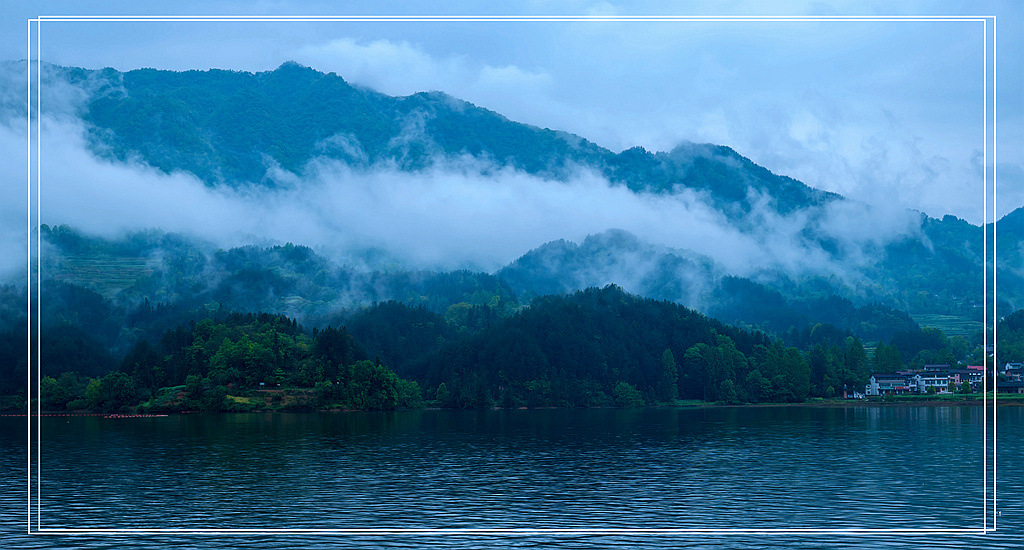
point(229, 127)
point(612, 257)
point(235, 128)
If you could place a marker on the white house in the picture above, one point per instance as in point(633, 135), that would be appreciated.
point(889, 384)
point(932, 379)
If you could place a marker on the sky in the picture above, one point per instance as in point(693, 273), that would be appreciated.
point(890, 113)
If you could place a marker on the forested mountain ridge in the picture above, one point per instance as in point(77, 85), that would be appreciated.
point(595, 347)
point(604, 346)
point(229, 127)
point(517, 335)
point(188, 275)
point(237, 128)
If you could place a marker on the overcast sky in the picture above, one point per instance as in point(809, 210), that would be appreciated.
point(879, 111)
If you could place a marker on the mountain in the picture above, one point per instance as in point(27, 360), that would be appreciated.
point(231, 128)
point(188, 275)
point(682, 276)
point(191, 278)
point(1012, 223)
point(613, 257)
point(617, 317)
point(1009, 235)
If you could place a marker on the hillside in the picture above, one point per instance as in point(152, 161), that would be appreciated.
point(718, 242)
point(230, 127)
point(237, 129)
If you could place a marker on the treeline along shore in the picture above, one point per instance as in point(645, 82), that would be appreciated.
point(593, 348)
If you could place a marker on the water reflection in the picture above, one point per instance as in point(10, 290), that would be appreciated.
point(886, 467)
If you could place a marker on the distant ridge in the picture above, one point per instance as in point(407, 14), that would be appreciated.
point(228, 127)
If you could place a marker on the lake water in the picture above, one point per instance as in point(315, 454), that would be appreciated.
point(892, 467)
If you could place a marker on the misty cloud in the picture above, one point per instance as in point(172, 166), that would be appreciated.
point(461, 212)
point(400, 68)
point(878, 111)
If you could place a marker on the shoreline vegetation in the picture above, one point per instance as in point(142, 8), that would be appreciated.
point(596, 348)
point(272, 405)
point(1011, 402)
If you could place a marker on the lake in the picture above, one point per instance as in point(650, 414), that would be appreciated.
point(888, 467)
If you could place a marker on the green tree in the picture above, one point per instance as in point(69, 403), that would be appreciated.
point(93, 397)
point(48, 391)
point(625, 395)
point(727, 392)
point(756, 387)
point(855, 370)
point(144, 363)
point(374, 387)
point(822, 360)
point(117, 391)
point(797, 373)
point(410, 396)
point(667, 388)
point(886, 358)
point(443, 395)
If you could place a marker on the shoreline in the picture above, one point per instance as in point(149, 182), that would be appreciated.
point(923, 403)
point(1012, 402)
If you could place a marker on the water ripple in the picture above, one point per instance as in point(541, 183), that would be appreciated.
point(890, 468)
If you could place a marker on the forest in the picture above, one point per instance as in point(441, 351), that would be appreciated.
point(157, 321)
point(598, 347)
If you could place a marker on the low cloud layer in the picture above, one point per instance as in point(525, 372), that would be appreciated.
point(882, 111)
point(399, 68)
point(869, 134)
point(461, 212)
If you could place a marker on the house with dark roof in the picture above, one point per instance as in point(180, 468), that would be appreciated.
point(889, 384)
point(1016, 386)
point(959, 376)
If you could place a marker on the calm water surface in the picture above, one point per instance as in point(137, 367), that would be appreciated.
point(882, 467)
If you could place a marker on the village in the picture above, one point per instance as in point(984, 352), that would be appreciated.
point(940, 379)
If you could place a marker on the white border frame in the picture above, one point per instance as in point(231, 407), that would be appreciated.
point(34, 184)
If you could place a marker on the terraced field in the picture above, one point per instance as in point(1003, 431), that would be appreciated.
point(105, 275)
point(952, 325)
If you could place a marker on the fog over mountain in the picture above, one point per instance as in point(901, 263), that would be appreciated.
point(296, 155)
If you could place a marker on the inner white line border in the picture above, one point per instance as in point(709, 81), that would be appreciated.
point(40, 530)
